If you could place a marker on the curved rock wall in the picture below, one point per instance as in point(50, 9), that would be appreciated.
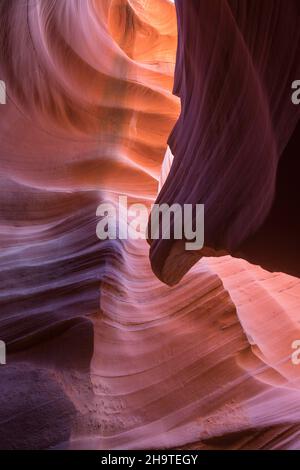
point(101, 353)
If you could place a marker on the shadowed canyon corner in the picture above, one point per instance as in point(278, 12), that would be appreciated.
point(149, 225)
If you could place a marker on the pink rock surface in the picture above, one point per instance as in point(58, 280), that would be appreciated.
point(101, 354)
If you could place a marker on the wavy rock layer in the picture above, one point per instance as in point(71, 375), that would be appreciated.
point(236, 61)
point(101, 354)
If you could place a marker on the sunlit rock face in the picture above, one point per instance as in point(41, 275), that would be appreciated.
point(101, 353)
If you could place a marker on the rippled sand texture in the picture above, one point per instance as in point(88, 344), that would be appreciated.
point(102, 354)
